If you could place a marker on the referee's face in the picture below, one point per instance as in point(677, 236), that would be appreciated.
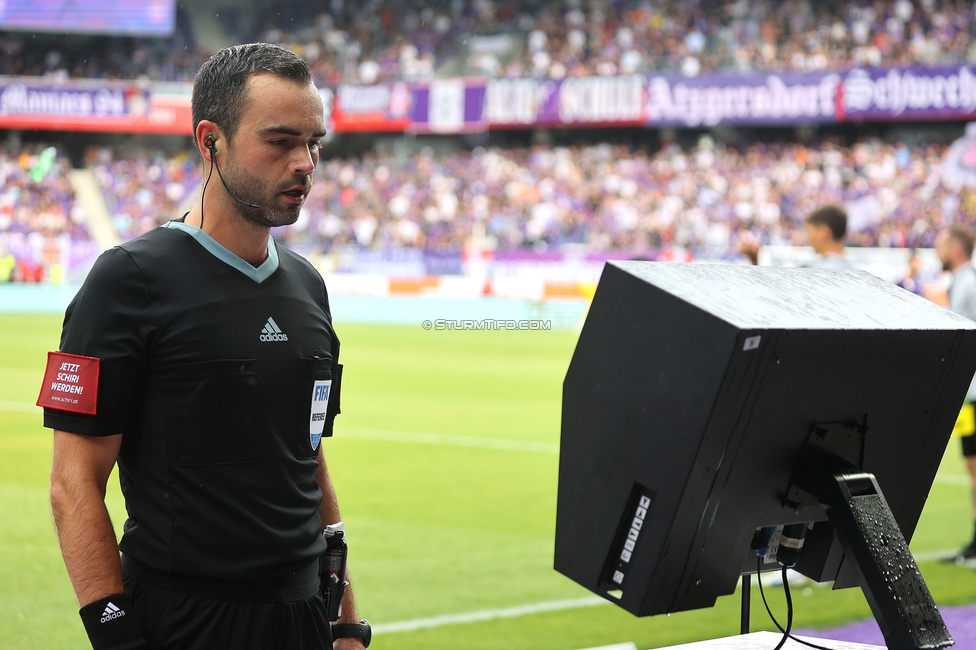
point(274, 153)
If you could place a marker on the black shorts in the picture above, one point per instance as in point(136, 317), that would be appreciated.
point(171, 620)
point(968, 445)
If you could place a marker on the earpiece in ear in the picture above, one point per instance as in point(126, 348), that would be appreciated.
point(211, 143)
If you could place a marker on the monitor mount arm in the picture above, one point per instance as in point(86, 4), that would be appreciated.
point(830, 473)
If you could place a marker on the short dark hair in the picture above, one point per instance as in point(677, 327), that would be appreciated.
point(218, 90)
point(832, 216)
point(962, 235)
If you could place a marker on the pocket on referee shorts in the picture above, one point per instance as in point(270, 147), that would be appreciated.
point(219, 418)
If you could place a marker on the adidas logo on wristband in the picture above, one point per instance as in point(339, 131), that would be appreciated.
point(112, 612)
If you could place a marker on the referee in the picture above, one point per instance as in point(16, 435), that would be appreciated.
point(201, 358)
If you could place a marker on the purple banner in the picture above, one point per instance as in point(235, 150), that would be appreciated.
point(443, 262)
point(134, 17)
point(911, 93)
point(561, 266)
point(397, 262)
point(18, 97)
point(449, 106)
point(754, 99)
point(577, 101)
point(758, 99)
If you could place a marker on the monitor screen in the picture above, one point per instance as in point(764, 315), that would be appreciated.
point(119, 17)
point(690, 404)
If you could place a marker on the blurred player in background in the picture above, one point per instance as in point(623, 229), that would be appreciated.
point(954, 246)
point(826, 229)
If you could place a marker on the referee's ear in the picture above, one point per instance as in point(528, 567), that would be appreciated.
point(207, 137)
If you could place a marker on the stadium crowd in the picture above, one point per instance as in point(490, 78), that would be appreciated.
point(609, 197)
point(380, 40)
point(39, 218)
point(602, 197)
point(142, 188)
point(65, 55)
point(572, 39)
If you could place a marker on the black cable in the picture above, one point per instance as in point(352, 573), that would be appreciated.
point(762, 592)
point(789, 608)
point(788, 630)
point(203, 192)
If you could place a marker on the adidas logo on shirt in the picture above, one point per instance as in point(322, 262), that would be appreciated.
point(112, 612)
point(272, 332)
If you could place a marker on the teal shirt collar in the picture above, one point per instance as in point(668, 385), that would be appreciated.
point(258, 274)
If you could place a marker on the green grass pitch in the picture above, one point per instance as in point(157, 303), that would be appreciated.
point(445, 460)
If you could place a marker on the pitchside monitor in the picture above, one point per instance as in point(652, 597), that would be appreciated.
point(691, 402)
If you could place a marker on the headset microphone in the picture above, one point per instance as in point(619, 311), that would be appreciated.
point(211, 143)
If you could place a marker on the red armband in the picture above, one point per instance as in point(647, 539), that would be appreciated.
point(70, 383)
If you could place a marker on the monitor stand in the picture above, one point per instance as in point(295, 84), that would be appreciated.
point(870, 537)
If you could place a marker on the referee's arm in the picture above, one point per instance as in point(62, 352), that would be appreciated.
point(329, 511)
point(80, 470)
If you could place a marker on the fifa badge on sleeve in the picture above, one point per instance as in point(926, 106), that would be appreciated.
point(320, 404)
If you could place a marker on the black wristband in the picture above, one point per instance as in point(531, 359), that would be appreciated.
point(360, 630)
point(110, 624)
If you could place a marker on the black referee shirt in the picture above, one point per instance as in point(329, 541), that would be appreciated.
point(208, 368)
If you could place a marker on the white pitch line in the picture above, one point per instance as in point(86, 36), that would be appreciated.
point(929, 556)
point(505, 444)
point(539, 608)
point(443, 439)
point(19, 407)
point(416, 437)
point(953, 479)
point(487, 615)
point(450, 440)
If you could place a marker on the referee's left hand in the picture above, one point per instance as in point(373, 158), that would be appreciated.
point(348, 644)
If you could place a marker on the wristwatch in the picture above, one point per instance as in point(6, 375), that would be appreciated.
point(360, 630)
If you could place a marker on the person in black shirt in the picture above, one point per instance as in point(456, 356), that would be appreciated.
point(201, 358)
